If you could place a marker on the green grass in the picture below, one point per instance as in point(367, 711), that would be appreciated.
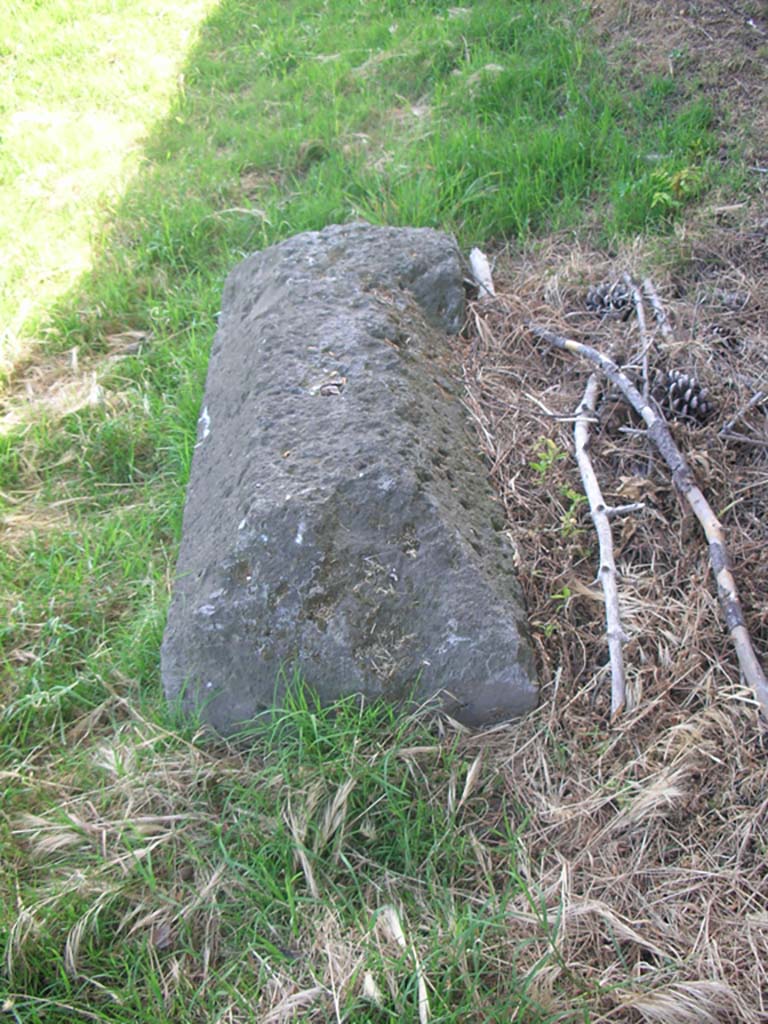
point(80, 87)
point(497, 120)
point(126, 194)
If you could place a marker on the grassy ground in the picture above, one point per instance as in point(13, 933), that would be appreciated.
point(356, 867)
point(79, 89)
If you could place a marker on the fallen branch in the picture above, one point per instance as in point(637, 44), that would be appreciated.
point(685, 483)
point(757, 399)
point(624, 510)
point(585, 415)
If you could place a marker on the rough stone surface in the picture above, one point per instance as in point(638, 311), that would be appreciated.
point(339, 517)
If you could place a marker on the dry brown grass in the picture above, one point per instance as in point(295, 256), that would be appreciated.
point(649, 836)
point(64, 383)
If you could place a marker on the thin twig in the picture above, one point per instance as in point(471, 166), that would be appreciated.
point(585, 415)
point(249, 211)
point(645, 338)
point(756, 442)
point(686, 484)
point(624, 510)
point(658, 310)
point(756, 399)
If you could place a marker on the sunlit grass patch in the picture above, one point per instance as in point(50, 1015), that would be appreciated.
point(488, 120)
point(80, 87)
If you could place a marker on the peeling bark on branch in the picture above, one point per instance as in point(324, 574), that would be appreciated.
point(481, 271)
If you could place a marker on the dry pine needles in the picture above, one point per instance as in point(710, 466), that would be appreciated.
point(659, 433)
point(646, 832)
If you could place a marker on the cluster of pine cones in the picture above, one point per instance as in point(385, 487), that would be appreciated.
point(679, 394)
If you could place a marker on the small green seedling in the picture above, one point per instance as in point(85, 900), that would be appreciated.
point(672, 190)
point(569, 520)
point(562, 596)
point(548, 454)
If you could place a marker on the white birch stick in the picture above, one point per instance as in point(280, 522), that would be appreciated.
point(658, 310)
point(585, 414)
point(645, 338)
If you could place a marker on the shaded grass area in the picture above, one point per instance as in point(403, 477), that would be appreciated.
point(493, 121)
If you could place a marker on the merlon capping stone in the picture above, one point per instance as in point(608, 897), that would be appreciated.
point(339, 517)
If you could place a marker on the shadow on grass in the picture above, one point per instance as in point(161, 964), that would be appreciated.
point(491, 122)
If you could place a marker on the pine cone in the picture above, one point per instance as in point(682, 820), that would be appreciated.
point(609, 300)
point(683, 398)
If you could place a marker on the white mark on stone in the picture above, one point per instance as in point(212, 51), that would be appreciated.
point(241, 524)
point(264, 538)
point(204, 425)
point(207, 610)
point(300, 532)
point(386, 484)
point(209, 685)
point(452, 640)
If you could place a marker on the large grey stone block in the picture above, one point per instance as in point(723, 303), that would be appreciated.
point(338, 516)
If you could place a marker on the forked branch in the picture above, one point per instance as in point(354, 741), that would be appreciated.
point(686, 484)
